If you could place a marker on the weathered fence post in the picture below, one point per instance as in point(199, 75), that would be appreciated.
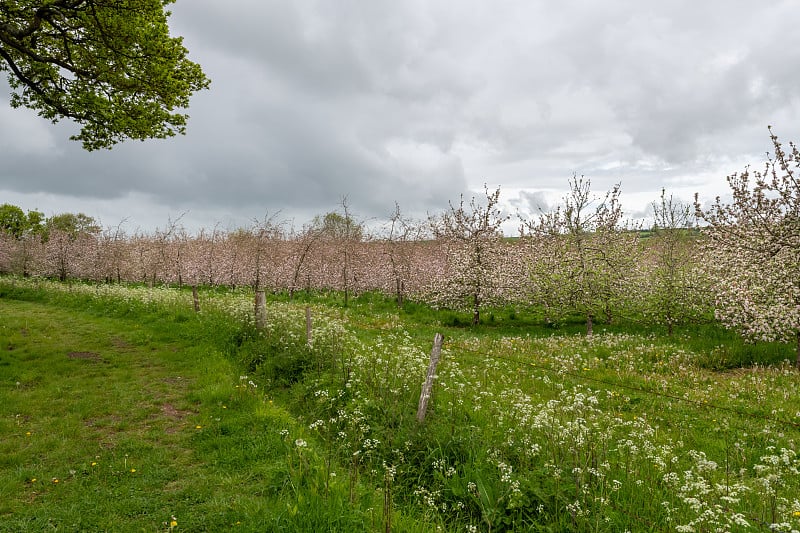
point(195, 299)
point(308, 326)
point(427, 387)
point(261, 309)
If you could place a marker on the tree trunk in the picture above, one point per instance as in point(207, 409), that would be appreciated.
point(62, 269)
point(476, 310)
point(589, 324)
point(797, 361)
point(399, 288)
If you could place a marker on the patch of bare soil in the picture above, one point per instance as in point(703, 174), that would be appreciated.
point(120, 343)
point(169, 411)
point(177, 415)
point(89, 356)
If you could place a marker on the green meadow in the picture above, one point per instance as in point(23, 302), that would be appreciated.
point(123, 409)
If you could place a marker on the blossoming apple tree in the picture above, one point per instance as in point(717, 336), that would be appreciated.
point(754, 252)
point(399, 247)
point(473, 240)
point(673, 287)
point(583, 255)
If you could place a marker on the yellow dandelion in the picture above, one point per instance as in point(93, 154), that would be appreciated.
point(55, 480)
point(796, 514)
point(133, 470)
point(94, 463)
point(27, 433)
point(198, 427)
point(33, 480)
point(173, 523)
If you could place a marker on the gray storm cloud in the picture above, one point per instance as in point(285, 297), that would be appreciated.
point(417, 102)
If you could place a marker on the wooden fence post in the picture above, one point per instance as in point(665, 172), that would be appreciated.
point(308, 326)
point(195, 299)
point(261, 309)
point(427, 387)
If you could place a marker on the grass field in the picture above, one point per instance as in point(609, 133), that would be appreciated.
point(135, 420)
point(123, 410)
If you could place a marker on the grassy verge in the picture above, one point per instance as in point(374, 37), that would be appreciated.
point(131, 417)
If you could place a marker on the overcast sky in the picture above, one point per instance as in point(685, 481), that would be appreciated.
point(418, 101)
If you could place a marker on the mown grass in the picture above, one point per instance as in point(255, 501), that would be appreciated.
point(127, 416)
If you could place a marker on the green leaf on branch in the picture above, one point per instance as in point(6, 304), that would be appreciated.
point(109, 65)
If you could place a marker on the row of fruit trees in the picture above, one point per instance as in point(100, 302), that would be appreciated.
point(738, 260)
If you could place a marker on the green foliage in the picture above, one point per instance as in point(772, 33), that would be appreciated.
point(17, 224)
point(111, 66)
point(274, 361)
point(12, 220)
point(73, 225)
point(336, 226)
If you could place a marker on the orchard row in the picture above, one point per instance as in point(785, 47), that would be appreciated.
point(742, 262)
point(458, 260)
